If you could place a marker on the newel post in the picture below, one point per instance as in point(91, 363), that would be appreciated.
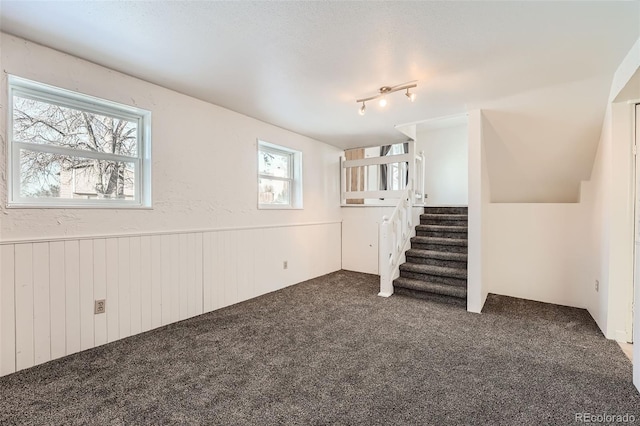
point(386, 286)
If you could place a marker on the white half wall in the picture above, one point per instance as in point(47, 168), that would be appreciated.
point(360, 236)
point(534, 252)
point(203, 245)
point(446, 164)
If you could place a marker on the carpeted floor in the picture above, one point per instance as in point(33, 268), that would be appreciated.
point(329, 351)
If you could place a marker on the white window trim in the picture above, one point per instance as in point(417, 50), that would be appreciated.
point(295, 179)
point(58, 96)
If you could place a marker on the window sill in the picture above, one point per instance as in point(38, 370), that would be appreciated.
point(276, 207)
point(78, 206)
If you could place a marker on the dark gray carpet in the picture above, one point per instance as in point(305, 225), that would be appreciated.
point(329, 351)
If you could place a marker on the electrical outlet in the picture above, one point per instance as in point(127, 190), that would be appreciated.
point(99, 306)
point(285, 265)
point(597, 285)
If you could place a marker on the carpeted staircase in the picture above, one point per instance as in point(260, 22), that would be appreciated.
point(436, 266)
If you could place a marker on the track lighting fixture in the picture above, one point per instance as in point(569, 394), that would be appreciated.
point(382, 95)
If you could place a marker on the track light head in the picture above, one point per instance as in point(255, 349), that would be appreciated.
point(411, 96)
point(383, 102)
point(362, 109)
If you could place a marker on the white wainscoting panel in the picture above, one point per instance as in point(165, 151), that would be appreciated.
point(48, 287)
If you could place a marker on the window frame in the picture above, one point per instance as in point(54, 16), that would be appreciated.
point(294, 178)
point(33, 90)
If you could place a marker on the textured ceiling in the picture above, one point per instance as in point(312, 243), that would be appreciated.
point(301, 65)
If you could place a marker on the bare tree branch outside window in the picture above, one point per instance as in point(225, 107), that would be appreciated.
point(62, 175)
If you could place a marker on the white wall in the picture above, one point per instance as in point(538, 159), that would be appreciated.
point(534, 252)
point(360, 233)
point(54, 262)
point(360, 236)
point(446, 164)
point(609, 195)
point(530, 250)
point(477, 281)
point(204, 158)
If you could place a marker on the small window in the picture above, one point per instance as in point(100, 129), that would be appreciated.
point(67, 149)
point(279, 177)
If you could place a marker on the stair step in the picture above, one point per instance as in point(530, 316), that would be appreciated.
point(441, 241)
point(408, 270)
point(443, 219)
point(437, 258)
point(434, 274)
point(460, 257)
point(456, 245)
point(431, 297)
point(450, 228)
point(444, 231)
point(461, 217)
point(431, 287)
point(446, 210)
point(440, 271)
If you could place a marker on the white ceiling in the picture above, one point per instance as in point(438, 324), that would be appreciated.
point(301, 65)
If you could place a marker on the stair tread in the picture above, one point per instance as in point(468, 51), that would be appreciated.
point(440, 240)
point(434, 254)
point(450, 228)
point(429, 287)
point(447, 216)
point(444, 271)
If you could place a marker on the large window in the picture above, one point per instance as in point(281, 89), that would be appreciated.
point(67, 149)
point(279, 176)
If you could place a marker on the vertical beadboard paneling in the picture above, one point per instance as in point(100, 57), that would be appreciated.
point(268, 273)
point(230, 257)
point(244, 263)
point(260, 261)
point(41, 304)
point(57, 299)
point(72, 295)
point(87, 326)
point(207, 272)
point(7, 310)
point(156, 281)
point(100, 289)
point(217, 291)
point(165, 249)
point(113, 305)
point(227, 289)
point(24, 306)
point(176, 313)
point(191, 275)
point(47, 289)
point(145, 282)
point(199, 274)
point(124, 288)
point(134, 280)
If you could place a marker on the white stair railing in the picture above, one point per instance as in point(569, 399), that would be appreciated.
point(395, 233)
point(360, 178)
point(357, 183)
